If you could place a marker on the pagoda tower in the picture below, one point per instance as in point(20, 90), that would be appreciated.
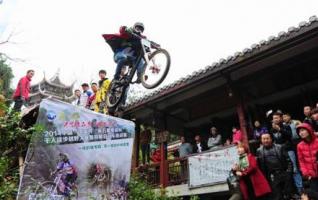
point(52, 88)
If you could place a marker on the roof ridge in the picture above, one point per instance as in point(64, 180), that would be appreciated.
point(231, 58)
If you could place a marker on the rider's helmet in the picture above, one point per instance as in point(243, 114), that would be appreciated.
point(138, 27)
point(64, 157)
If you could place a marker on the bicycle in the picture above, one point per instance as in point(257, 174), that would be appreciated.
point(152, 75)
point(55, 189)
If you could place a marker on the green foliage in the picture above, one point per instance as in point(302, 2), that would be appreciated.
point(6, 76)
point(14, 140)
point(140, 190)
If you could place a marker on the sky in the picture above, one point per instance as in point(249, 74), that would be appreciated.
point(57, 34)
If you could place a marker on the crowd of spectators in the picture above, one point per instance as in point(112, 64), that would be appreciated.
point(284, 163)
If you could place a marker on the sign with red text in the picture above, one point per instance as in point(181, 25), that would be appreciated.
point(80, 155)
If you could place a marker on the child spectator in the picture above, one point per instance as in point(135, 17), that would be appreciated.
point(237, 135)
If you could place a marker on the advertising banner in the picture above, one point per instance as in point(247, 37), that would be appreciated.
point(80, 155)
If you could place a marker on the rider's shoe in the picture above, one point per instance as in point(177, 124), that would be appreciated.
point(117, 82)
point(139, 79)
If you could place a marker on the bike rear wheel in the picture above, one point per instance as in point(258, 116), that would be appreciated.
point(47, 188)
point(157, 69)
point(115, 94)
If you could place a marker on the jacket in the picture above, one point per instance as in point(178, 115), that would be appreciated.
point(101, 94)
point(282, 155)
point(156, 156)
point(237, 137)
point(91, 103)
point(259, 182)
point(215, 141)
point(122, 40)
point(283, 136)
point(308, 153)
point(23, 88)
point(204, 147)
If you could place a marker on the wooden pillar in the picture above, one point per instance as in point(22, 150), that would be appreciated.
point(242, 121)
point(135, 157)
point(163, 167)
point(161, 137)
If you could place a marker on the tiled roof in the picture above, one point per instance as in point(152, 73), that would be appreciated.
point(228, 62)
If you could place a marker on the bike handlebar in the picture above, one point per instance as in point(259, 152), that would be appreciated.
point(153, 44)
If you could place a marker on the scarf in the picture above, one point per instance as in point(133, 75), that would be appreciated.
point(243, 162)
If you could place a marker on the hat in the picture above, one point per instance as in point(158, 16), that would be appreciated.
point(304, 126)
point(264, 130)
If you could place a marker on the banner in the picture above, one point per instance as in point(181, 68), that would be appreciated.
point(80, 155)
point(211, 167)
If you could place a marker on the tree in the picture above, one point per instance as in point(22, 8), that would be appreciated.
point(14, 141)
point(5, 78)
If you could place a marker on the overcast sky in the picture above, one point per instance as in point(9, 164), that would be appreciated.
point(66, 34)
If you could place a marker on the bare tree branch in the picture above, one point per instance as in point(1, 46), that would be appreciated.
point(7, 40)
point(7, 57)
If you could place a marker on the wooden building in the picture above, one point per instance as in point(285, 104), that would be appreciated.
point(278, 73)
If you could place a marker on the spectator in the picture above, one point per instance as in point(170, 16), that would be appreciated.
point(85, 88)
point(281, 133)
point(145, 139)
point(307, 151)
point(314, 117)
point(215, 140)
point(257, 131)
point(103, 85)
point(227, 142)
point(237, 135)
point(309, 195)
point(288, 121)
point(77, 101)
point(252, 182)
point(185, 148)
point(91, 103)
point(85, 95)
point(276, 166)
point(307, 113)
point(199, 145)
point(21, 94)
point(295, 139)
point(155, 155)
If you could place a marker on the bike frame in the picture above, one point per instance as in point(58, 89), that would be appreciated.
point(143, 55)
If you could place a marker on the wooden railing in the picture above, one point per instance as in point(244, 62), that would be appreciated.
point(177, 172)
point(150, 174)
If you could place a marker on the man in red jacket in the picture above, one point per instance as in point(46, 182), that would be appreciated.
point(307, 151)
point(21, 94)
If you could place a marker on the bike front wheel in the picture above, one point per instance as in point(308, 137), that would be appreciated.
point(157, 69)
point(115, 94)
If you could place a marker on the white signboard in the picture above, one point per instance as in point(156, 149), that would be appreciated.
point(211, 167)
